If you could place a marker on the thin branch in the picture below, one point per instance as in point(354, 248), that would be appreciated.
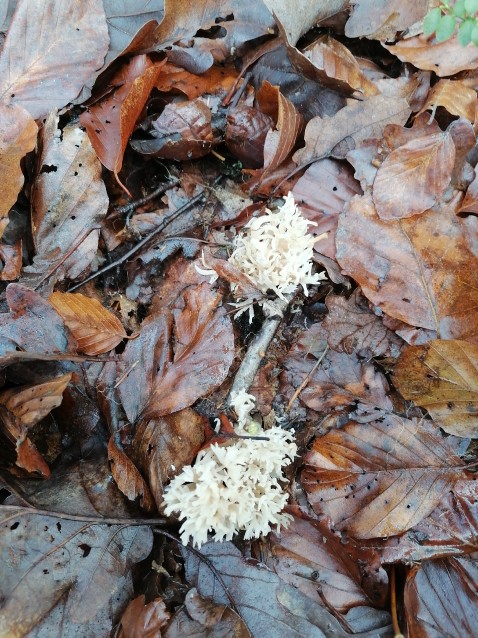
point(307, 379)
point(132, 206)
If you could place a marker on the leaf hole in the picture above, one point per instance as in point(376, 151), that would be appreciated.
point(15, 525)
point(86, 549)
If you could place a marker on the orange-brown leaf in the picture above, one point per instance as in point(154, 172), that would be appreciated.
point(128, 477)
point(214, 80)
point(455, 96)
point(110, 122)
point(141, 620)
point(95, 328)
point(380, 478)
point(18, 134)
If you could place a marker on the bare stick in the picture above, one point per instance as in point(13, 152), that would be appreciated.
point(18, 510)
point(306, 380)
point(132, 206)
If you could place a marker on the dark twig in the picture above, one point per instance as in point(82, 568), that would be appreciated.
point(132, 206)
point(143, 242)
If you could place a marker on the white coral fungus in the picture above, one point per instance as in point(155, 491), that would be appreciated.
point(275, 250)
point(233, 487)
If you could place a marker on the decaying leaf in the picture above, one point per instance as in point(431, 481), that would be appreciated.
point(110, 122)
point(441, 600)
point(67, 42)
point(386, 18)
point(338, 135)
point(18, 133)
point(141, 620)
point(95, 328)
point(128, 477)
point(246, 133)
point(380, 478)
point(419, 270)
point(69, 200)
point(217, 79)
point(453, 95)
point(65, 565)
point(442, 377)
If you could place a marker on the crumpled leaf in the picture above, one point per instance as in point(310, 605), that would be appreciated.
point(453, 95)
point(67, 42)
point(183, 131)
point(110, 122)
point(141, 620)
point(70, 564)
point(442, 377)
point(215, 80)
point(444, 58)
point(163, 446)
point(246, 132)
point(202, 618)
point(268, 606)
point(385, 19)
point(352, 327)
point(419, 270)
point(441, 599)
point(128, 477)
point(339, 134)
point(382, 477)
point(413, 177)
point(308, 555)
point(69, 200)
point(94, 327)
point(23, 407)
point(18, 135)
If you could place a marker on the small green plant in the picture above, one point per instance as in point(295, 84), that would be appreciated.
point(443, 20)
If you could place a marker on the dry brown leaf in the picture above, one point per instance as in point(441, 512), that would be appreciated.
point(421, 270)
point(444, 58)
point(442, 377)
point(110, 122)
point(128, 478)
point(382, 477)
point(18, 134)
point(217, 79)
point(351, 125)
point(441, 598)
point(382, 19)
point(280, 141)
point(246, 133)
point(413, 177)
point(65, 43)
point(453, 95)
point(94, 327)
point(470, 201)
point(163, 446)
point(69, 200)
point(141, 620)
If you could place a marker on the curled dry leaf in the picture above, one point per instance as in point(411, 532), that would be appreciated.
point(217, 79)
point(128, 477)
point(165, 445)
point(444, 58)
point(246, 132)
point(183, 131)
point(141, 620)
point(382, 477)
point(23, 407)
point(110, 122)
point(441, 599)
point(94, 327)
point(71, 566)
point(413, 177)
point(18, 134)
point(442, 377)
point(420, 270)
point(69, 200)
point(351, 125)
point(61, 55)
point(453, 95)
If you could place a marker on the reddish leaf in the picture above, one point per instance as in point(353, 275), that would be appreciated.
point(69, 200)
point(217, 79)
point(96, 329)
point(419, 270)
point(246, 132)
point(110, 122)
point(322, 192)
point(442, 377)
point(183, 131)
point(18, 134)
point(67, 42)
point(470, 202)
point(380, 478)
point(142, 620)
point(441, 599)
point(414, 176)
point(128, 478)
point(165, 445)
point(350, 126)
point(352, 327)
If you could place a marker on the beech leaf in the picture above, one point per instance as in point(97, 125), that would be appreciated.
point(95, 328)
point(128, 478)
